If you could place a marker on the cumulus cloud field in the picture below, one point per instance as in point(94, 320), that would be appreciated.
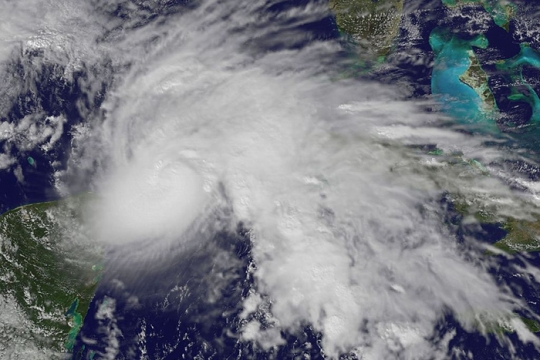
point(230, 104)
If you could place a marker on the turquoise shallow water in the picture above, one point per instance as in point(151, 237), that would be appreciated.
point(452, 59)
point(514, 68)
point(459, 100)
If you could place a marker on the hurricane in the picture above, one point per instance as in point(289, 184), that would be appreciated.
point(214, 116)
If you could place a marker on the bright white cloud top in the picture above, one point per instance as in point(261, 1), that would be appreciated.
point(346, 224)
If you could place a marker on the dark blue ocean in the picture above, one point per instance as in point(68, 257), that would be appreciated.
point(168, 307)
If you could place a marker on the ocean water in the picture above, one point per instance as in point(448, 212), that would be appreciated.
point(257, 204)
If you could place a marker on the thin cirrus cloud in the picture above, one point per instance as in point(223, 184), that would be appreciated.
point(231, 105)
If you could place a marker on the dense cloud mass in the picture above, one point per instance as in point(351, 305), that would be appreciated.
point(232, 105)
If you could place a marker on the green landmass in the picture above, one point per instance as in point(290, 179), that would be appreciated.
point(477, 79)
point(504, 325)
point(532, 325)
point(458, 80)
point(512, 68)
point(372, 25)
point(47, 273)
point(521, 235)
point(500, 10)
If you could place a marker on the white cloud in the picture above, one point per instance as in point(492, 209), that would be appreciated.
point(330, 252)
point(6, 161)
point(109, 328)
point(346, 228)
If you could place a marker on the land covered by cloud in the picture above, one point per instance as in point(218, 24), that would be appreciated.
point(234, 105)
